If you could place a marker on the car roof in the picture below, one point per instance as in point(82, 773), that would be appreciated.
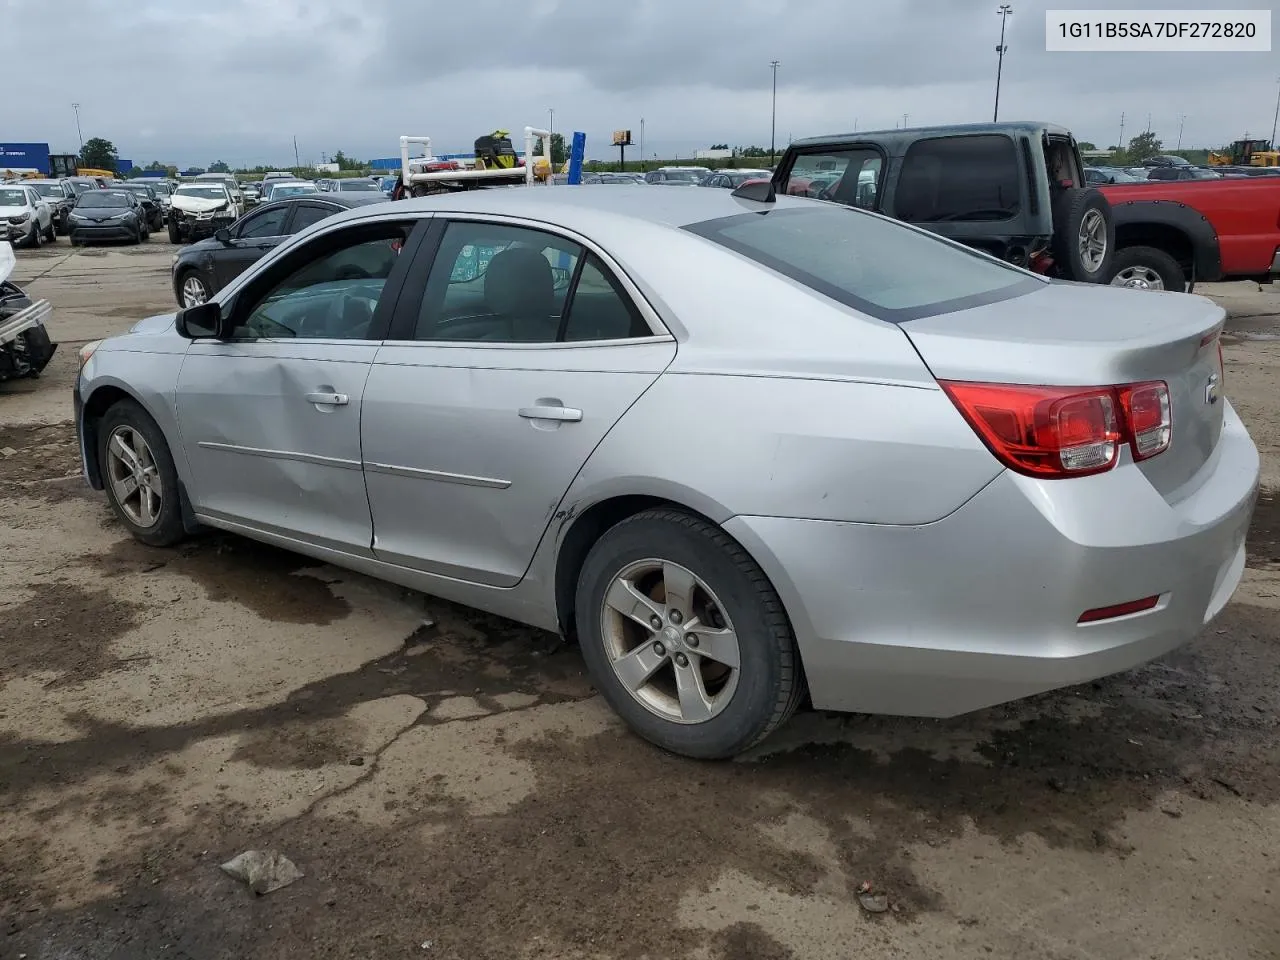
point(581, 207)
point(903, 138)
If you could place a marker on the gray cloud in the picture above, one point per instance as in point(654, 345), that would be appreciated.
point(191, 82)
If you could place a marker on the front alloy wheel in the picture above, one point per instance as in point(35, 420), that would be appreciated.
point(134, 476)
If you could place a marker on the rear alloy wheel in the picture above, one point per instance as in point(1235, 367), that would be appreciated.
point(194, 290)
point(1147, 268)
point(685, 637)
point(37, 237)
point(138, 472)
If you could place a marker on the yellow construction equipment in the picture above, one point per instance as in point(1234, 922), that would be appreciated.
point(1246, 153)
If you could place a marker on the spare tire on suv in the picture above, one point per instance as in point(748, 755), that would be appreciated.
point(1084, 235)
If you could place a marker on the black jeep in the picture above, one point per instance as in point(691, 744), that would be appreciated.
point(1014, 190)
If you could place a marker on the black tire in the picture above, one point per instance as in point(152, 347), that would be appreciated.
point(1147, 268)
point(770, 682)
point(174, 235)
point(51, 235)
point(1069, 212)
point(168, 528)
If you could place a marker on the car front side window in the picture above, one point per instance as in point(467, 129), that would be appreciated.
point(331, 295)
point(268, 223)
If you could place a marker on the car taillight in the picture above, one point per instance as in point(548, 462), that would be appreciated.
point(1146, 412)
point(1052, 432)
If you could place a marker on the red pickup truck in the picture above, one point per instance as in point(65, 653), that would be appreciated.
point(1017, 191)
point(1171, 232)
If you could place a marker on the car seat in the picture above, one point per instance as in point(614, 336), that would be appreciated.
point(519, 288)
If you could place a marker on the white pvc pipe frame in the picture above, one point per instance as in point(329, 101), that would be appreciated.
point(530, 135)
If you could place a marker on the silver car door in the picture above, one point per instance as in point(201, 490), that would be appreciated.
point(493, 389)
point(270, 419)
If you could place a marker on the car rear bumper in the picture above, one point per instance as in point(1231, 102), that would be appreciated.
point(982, 607)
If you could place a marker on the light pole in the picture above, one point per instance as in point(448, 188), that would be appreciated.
point(551, 127)
point(1004, 11)
point(76, 108)
point(773, 123)
point(642, 163)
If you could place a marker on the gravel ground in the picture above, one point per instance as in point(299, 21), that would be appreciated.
point(450, 786)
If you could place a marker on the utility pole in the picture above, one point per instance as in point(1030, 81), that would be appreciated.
point(642, 160)
point(1148, 123)
point(551, 127)
point(1004, 11)
point(296, 161)
point(1181, 120)
point(1276, 116)
point(76, 108)
point(773, 122)
point(904, 120)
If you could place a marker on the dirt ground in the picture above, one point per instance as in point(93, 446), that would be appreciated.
point(454, 789)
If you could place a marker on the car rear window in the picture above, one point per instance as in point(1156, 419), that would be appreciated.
point(888, 270)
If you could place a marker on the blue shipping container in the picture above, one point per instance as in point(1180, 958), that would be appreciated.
point(24, 156)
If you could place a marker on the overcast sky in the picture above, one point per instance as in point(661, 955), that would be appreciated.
point(193, 82)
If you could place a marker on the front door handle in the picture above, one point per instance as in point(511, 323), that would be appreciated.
point(329, 399)
point(550, 412)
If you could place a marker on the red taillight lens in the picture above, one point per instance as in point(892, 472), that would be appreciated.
point(1146, 411)
point(1065, 431)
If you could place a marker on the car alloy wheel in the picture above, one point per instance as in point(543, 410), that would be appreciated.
point(134, 476)
point(1093, 240)
point(194, 291)
point(669, 641)
point(1138, 278)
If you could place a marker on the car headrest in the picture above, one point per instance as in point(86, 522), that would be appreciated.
point(518, 283)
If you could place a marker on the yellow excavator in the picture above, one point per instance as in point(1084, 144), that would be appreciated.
point(1246, 153)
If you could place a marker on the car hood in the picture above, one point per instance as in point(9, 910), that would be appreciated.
point(195, 204)
point(12, 211)
point(7, 260)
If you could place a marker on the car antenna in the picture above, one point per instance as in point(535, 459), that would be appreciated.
point(760, 191)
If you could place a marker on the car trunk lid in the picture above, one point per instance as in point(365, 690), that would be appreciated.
point(1070, 334)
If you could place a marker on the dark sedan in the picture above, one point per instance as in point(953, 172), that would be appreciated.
point(203, 268)
point(152, 208)
point(107, 215)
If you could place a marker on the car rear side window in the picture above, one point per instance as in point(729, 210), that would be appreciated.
point(959, 178)
point(309, 213)
point(850, 176)
point(885, 269)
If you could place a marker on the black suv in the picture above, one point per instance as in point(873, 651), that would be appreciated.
point(1014, 190)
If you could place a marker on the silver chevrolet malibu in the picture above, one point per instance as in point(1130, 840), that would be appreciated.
point(743, 450)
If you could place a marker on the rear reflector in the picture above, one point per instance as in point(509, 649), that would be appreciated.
point(1119, 610)
point(1053, 432)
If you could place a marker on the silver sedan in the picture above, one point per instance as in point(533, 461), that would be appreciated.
point(743, 450)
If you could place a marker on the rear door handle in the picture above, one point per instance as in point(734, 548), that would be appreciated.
point(329, 399)
point(551, 413)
